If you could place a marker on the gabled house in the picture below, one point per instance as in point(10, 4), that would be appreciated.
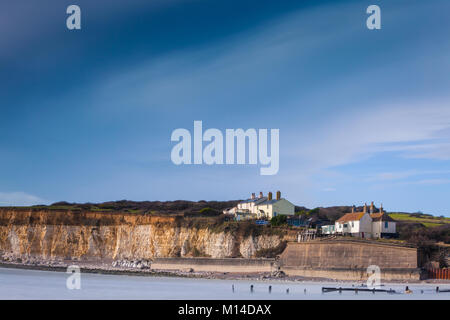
point(357, 224)
point(383, 226)
point(365, 224)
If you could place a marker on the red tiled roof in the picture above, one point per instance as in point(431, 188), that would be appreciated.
point(381, 216)
point(355, 216)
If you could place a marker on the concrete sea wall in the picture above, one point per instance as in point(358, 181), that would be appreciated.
point(349, 260)
point(215, 265)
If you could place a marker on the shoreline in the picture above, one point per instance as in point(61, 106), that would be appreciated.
point(262, 276)
point(97, 270)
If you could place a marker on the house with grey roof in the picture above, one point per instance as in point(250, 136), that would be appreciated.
point(262, 207)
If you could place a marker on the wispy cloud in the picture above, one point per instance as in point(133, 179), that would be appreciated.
point(20, 199)
point(400, 175)
point(432, 181)
point(408, 129)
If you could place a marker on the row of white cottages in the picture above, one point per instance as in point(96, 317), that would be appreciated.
point(364, 224)
point(262, 207)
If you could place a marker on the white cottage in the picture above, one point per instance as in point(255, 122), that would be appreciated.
point(357, 224)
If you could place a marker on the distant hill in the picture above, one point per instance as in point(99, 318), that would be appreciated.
point(427, 220)
point(327, 213)
point(179, 207)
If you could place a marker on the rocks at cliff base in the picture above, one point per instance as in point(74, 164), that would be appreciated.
point(278, 274)
point(11, 258)
point(133, 264)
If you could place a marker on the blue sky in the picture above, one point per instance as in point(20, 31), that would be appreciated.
point(364, 115)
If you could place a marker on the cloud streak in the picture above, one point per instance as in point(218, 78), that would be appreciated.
point(20, 199)
point(407, 129)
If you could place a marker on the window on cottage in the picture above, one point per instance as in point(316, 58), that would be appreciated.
point(386, 224)
point(353, 224)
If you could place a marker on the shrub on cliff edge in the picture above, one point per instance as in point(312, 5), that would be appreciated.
point(278, 220)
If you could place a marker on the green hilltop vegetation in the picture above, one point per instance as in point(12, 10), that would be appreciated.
point(427, 220)
point(420, 228)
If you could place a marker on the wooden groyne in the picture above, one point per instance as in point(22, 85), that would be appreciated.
point(356, 290)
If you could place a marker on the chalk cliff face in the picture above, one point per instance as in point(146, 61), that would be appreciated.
point(55, 235)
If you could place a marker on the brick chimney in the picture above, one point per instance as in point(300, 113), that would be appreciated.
point(371, 207)
point(381, 208)
point(253, 196)
point(278, 195)
point(365, 208)
point(353, 209)
point(269, 196)
point(260, 194)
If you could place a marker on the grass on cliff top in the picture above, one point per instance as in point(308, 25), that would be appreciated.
point(426, 220)
point(79, 208)
point(178, 207)
point(64, 208)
